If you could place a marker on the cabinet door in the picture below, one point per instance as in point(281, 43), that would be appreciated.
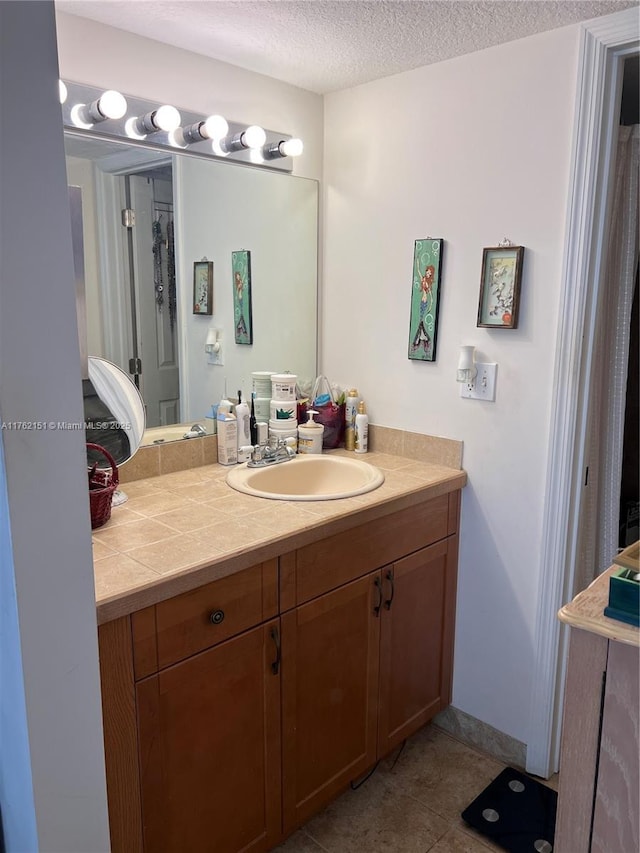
point(329, 692)
point(416, 641)
point(209, 734)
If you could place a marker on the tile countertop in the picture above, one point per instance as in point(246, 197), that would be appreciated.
point(586, 611)
point(181, 530)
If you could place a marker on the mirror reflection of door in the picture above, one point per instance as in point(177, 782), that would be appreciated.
point(153, 294)
point(129, 277)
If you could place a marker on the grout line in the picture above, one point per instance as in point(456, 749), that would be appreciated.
point(314, 840)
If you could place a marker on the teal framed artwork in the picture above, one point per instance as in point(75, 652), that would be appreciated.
point(425, 298)
point(242, 314)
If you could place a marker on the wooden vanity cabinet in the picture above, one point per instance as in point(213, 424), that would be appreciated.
point(227, 733)
point(209, 745)
point(191, 710)
point(366, 664)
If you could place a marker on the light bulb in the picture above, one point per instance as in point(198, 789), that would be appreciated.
point(176, 138)
point(217, 149)
point(215, 127)
point(292, 147)
point(63, 91)
point(166, 118)
point(78, 116)
point(131, 129)
point(253, 137)
point(111, 104)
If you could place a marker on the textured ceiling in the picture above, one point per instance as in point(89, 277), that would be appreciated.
point(326, 45)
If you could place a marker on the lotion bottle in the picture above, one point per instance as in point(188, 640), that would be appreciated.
point(244, 432)
point(310, 435)
point(362, 429)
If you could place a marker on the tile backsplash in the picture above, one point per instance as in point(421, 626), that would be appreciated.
point(193, 452)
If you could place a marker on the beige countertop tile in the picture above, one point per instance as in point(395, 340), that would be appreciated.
point(586, 611)
point(181, 530)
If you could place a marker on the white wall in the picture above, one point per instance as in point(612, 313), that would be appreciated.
point(471, 150)
point(49, 551)
point(98, 55)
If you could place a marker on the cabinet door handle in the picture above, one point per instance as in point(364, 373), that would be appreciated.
point(378, 585)
point(216, 617)
point(389, 601)
point(275, 666)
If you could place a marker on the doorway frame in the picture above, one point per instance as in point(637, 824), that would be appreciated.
point(605, 43)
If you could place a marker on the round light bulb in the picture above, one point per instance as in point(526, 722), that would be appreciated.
point(130, 129)
point(217, 149)
point(176, 138)
point(216, 127)
point(112, 104)
point(167, 118)
point(292, 147)
point(63, 91)
point(254, 137)
point(78, 112)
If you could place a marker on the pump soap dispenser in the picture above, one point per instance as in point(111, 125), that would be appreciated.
point(310, 435)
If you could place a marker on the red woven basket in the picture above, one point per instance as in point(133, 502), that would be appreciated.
point(102, 485)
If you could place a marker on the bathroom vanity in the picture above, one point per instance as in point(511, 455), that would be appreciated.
point(243, 692)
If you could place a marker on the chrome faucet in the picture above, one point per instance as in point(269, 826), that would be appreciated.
point(263, 454)
point(195, 432)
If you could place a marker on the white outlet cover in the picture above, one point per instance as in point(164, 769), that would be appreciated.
point(483, 386)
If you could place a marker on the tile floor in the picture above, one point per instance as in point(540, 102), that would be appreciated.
point(412, 806)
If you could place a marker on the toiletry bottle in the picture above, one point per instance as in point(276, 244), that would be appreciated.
point(362, 429)
point(350, 412)
point(243, 434)
point(253, 423)
point(310, 435)
point(227, 436)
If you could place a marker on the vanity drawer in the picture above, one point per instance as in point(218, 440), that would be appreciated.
point(189, 623)
point(336, 560)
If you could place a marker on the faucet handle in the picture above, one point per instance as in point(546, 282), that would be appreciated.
point(257, 451)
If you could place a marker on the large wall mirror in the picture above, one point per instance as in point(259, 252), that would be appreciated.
point(147, 217)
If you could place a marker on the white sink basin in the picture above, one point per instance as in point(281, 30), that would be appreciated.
point(307, 478)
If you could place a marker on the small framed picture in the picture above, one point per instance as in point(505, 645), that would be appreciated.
point(203, 287)
point(242, 313)
point(500, 287)
point(425, 299)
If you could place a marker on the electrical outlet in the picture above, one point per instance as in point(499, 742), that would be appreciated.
point(483, 386)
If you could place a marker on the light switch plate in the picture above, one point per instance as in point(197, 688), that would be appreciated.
point(483, 386)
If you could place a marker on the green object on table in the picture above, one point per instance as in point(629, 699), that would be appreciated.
point(624, 597)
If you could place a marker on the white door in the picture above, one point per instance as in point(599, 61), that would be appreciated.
point(155, 321)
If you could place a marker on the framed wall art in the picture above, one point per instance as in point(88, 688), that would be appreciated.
point(203, 287)
point(500, 287)
point(242, 314)
point(425, 298)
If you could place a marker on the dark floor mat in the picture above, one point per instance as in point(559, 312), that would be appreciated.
point(516, 813)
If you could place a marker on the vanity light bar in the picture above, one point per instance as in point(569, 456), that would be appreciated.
point(137, 121)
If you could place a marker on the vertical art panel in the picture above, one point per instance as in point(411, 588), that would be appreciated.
point(242, 315)
point(425, 298)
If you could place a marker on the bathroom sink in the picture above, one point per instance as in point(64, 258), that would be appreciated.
point(307, 478)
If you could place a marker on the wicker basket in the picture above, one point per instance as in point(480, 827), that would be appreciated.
point(102, 485)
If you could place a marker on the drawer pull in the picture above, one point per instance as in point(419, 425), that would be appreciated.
point(275, 666)
point(216, 617)
point(389, 601)
point(378, 585)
